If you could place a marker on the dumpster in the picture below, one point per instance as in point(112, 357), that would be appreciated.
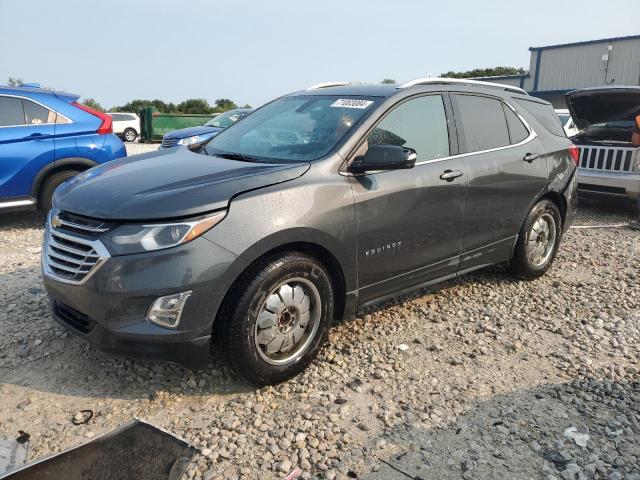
point(155, 124)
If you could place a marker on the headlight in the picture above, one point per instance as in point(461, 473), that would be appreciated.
point(136, 238)
point(189, 140)
point(636, 161)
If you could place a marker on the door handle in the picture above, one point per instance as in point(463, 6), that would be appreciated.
point(36, 136)
point(530, 157)
point(451, 175)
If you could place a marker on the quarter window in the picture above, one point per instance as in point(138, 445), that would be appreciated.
point(517, 131)
point(11, 112)
point(483, 123)
point(420, 124)
point(545, 114)
point(37, 114)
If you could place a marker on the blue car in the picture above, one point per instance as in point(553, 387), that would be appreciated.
point(47, 137)
point(199, 135)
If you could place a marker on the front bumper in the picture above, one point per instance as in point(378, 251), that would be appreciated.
point(109, 309)
point(609, 183)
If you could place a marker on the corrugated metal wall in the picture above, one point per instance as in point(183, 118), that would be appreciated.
point(581, 66)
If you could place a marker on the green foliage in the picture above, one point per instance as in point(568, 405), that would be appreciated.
point(224, 104)
point(388, 81)
point(189, 106)
point(194, 105)
point(487, 72)
point(15, 82)
point(92, 103)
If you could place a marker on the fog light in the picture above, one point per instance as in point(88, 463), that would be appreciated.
point(166, 311)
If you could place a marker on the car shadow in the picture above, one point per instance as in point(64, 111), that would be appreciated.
point(525, 433)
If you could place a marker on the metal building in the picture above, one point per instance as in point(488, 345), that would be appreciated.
point(557, 69)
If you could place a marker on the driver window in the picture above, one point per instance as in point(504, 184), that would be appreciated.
point(420, 124)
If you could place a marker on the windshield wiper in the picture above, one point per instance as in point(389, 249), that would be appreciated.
point(236, 156)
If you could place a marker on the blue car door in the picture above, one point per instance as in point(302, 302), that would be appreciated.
point(26, 144)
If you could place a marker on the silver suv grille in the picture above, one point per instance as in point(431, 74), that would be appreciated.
point(608, 159)
point(68, 257)
point(167, 143)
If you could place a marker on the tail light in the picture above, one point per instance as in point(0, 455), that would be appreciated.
point(106, 126)
point(575, 154)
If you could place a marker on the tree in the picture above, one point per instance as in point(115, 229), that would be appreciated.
point(224, 104)
point(246, 105)
point(15, 82)
point(92, 103)
point(388, 81)
point(194, 105)
point(138, 104)
point(487, 72)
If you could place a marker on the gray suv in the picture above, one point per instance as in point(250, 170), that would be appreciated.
point(317, 203)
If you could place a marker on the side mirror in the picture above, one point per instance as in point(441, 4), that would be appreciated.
point(385, 157)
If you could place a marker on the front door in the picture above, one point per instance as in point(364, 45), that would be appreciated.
point(410, 222)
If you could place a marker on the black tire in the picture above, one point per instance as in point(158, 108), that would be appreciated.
point(236, 333)
point(129, 135)
point(45, 194)
point(521, 265)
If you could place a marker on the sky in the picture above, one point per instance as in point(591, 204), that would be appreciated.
point(253, 51)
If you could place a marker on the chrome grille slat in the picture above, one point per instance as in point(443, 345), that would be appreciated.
point(71, 249)
point(606, 159)
point(86, 228)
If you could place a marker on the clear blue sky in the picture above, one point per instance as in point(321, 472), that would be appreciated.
point(252, 51)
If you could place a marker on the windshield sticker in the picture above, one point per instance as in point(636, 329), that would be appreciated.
point(351, 103)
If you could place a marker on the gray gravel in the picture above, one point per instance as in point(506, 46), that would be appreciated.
point(484, 377)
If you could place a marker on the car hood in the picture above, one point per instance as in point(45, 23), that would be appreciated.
point(191, 131)
point(591, 106)
point(166, 184)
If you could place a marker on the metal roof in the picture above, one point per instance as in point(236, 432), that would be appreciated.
point(588, 42)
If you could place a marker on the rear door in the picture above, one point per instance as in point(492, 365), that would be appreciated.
point(506, 169)
point(410, 221)
point(26, 144)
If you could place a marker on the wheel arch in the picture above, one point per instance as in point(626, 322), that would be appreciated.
point(73, 163)
point(314, 249)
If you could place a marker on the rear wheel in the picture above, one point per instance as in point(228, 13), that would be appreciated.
point(130, 135)
point(45, 195)
point(538, 241)
point(277, 322)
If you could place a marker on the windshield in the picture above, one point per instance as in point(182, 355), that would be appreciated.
point(300, 128)
point(226, 119)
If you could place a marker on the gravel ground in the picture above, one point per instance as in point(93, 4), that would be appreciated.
point(484, 377)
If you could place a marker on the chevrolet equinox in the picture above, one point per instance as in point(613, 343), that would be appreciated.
point(317, 203)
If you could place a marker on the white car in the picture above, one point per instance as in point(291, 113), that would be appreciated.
point(567, 122)
point(126, 125)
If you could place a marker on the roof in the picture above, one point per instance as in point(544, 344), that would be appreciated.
point(364, 89)
point(588, 42)
point(23, 90)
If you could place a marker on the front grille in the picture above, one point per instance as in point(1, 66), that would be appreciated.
point(169, 142)
point(73, 317)
point(68, 255)
point(79, 224)
point(608, 159)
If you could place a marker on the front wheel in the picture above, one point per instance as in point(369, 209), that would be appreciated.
point(538, 241)
point(45, 196)
point(277, 322)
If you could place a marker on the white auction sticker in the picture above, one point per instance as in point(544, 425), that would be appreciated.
point(351, 103)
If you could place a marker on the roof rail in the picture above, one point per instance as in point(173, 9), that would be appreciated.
point(327, 85)
point(461, 81)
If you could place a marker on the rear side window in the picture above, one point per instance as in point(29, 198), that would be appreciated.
point(37, 114)
point(545, 115)
point(11, 112)
point(517, 131)
point(420, 124)
point(483, 123)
